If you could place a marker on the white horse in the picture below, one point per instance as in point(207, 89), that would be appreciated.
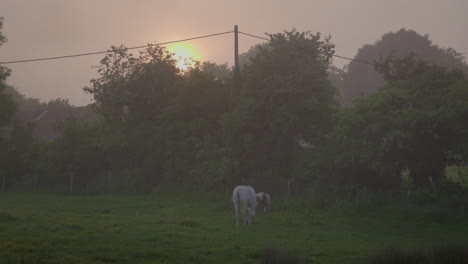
point(264, 200)
point(244, 199)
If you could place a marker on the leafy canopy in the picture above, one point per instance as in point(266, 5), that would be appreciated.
point(286, 98)
point(417, 122)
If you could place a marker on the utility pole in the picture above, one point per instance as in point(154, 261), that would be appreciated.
point(236, 47)
point(237, 74)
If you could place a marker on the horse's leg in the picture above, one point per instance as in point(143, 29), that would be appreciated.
point(243, 215)
point(235, 210)
point(244, 212)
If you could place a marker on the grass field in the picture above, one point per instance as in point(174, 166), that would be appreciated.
point(162, 228)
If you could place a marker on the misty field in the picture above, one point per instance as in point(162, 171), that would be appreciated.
point(200, 228)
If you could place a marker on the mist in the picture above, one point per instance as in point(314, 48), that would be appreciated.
point(337, 133)
point(49, 28)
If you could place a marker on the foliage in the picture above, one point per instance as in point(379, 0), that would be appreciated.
point(279, 127)
point(189, 127)
point(286, 98)
point(219, 71)
point(3, 39)
point(132, 89)
point(18, 153)
point(272, 255)
point(414, 123)
point(337, 78)
point(7, 106)
point(362, 79)
point(159, 115)
point(23, 102)
point(438, 254)
point(245, 59)
point(130, 94)
point(76, 153)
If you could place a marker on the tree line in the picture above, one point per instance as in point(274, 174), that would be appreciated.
point(290, 124)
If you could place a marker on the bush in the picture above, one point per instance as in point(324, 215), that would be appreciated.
point(352, 197)
point(272, 255)
point(439, 254)
point(423, 198)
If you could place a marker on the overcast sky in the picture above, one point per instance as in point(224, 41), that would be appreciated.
point(43, 28)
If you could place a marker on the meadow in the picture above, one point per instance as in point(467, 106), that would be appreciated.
point(200, 228)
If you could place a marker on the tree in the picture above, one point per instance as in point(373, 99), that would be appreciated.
point(160, 118)
point(133, 89)
point(21, 100)
point(7, 106)
point(362, 79)
point(286, 98)
point(130, 94)
point(7, 110)
point(245, 59)
point(219, 71)
point(336, 77)
point(18, 154)
point(417, 122)
point(77, 154)
point(188, 130)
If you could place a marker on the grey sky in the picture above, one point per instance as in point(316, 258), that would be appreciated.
point(43, 28)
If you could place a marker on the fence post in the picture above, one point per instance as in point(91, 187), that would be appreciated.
point(35, 182)
point(109, 180)
point(71, 183)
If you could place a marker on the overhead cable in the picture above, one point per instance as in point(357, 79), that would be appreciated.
point(102, 52)
point(334, 55)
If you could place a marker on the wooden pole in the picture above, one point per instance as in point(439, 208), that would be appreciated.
point(109, 179)
point(237, 75)
point(35, 182)
point(71, 183)
point(236, 46)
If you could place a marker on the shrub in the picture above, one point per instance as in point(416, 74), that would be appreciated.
point(272, 255)
point(448, 253)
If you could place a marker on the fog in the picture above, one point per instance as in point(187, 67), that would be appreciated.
point(47, 28)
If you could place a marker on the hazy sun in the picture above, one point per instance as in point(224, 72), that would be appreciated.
point(184, 53)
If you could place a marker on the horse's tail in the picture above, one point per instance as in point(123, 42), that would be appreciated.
point(236, 198)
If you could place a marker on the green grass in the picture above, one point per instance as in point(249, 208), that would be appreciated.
point(162, 228)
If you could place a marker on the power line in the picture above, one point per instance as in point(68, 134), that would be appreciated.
point(102, 52)
point(159, 44)
point(361, 61)
point(253, 36)
point(338, 56)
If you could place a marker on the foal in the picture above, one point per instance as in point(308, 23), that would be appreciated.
point(264, 200)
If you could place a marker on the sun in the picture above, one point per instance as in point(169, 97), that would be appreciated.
point(185, 55)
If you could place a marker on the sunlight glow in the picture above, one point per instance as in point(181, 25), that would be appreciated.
point(185, 55)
